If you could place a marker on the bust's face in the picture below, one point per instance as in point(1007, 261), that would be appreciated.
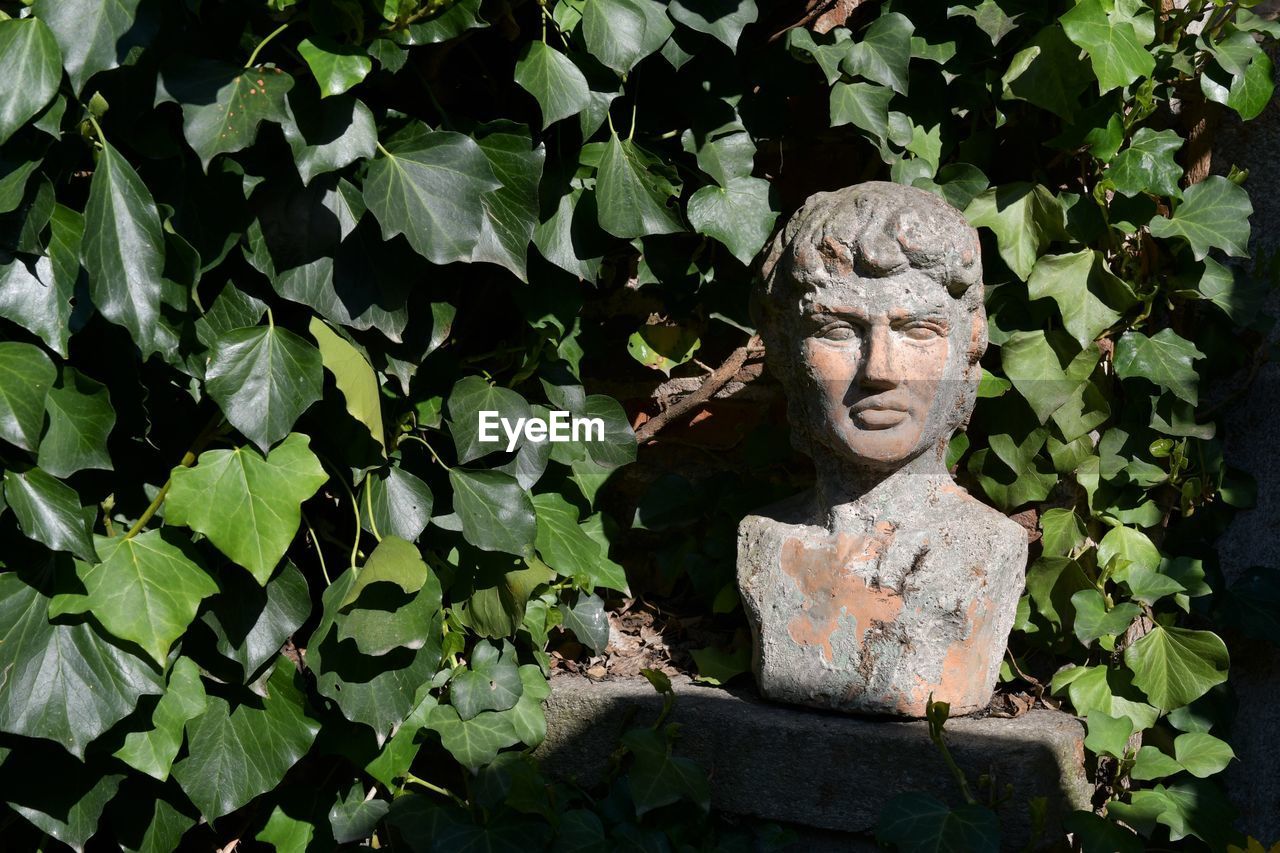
point(883, 357)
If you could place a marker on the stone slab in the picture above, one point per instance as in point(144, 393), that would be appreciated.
point(817, 769)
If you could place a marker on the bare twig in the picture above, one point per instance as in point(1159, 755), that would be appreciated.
point(717, 380)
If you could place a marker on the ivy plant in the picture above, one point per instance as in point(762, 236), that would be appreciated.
point(264, 262)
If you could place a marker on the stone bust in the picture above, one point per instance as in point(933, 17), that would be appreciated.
point(887, 582)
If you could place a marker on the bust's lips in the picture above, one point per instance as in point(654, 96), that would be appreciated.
point(879, 413)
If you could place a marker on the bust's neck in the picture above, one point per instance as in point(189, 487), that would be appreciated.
point(850, 496)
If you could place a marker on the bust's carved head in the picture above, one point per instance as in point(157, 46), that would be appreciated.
point(870, 305)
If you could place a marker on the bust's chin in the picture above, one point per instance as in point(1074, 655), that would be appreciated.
point(879, 449)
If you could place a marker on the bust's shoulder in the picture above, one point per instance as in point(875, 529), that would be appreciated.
point(797, 510)
point(963, 516)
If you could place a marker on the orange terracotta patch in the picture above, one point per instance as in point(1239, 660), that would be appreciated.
point(832, 589)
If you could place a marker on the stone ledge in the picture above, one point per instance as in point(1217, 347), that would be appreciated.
point(818, 769)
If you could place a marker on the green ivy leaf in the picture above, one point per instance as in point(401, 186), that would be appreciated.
point(329, 135)
point(32, 54)
point(401, 503)
point(1119, 57)
point(1063, 531)
point(1046, 368)
point(1107, 734)
point(920, 821)
point(883, 52)
point(153, 751)
point(511, 211)
point(65, 683)
point(26, 377)
point(49, 512)
point(1202, 754)
point(1165, 359)
point(472, 395)
point(336, 67)
point(723, 21)
point(566, 547)
point(1214, 214)
point(1148, 165)
point(553, 80)
point(35, 297)
point(656, 778)
point(94, 35)
point(527, 717)
point(286, 834)
point(1107, 690)
point(123, 253)
point(378, 691)
point(989, 17)
point(1128, 544)
point(491, 681)
point(739, 215)
point(1151, 763)
point(475, 742)
point(145, 590)
point(1025, 218)
point(614, 31)
point(496, 513)
point(865, 106)
point(588, 622)
point(236, 753)
point(62, 797)
point(249, 505)
point(80, 420)
point(1093, 621)
point(263, 378)
point(252, 622)
point(354, 377)
point(222, 104)
point(427, 186)
point(452, 21)
point(632, 200)
point(1176, 666)
point(1073, 281)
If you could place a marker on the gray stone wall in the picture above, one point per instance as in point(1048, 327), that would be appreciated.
point(1251, 437)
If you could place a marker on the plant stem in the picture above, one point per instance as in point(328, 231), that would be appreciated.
point(368, 502)
point(206, 435)
point(277, 31)
point(385, 152)
point(324, 570)
point(423, 441)
point(414, 780)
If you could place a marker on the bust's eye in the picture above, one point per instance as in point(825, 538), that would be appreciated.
point(922, 331)
point(836, 333)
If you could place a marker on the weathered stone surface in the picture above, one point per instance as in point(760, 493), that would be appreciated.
point(1251, 434)
point(888, 583)
point(817, 769)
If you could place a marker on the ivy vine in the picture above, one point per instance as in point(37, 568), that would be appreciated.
point(263, 262)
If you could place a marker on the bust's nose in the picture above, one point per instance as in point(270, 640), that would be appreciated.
point(880, 366)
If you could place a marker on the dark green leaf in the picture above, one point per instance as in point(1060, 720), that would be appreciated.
point(739, 215)
point(80, 419)
point(236, 753)
point(49, 512)
point(223, 104)
point(123, 253)
point(497, 514)
point(427, 186)
point(1119, 57)
point(65, 683)
point(1214, 214)
point(354, 377)
point(263, 378)
point(1165, 359)
point(588, 622)
point(26, 377)
point(95, 35)
point(328, 135)
point(632, 200)
point(401, 503)
point(553, 80)
point(35, 297)
point(919, 822)
point(723, 20)
point(491, 681)
point(32, 55)
point(883, 52)
point(566, 547)
point(1148, 165)
point(252, 622)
